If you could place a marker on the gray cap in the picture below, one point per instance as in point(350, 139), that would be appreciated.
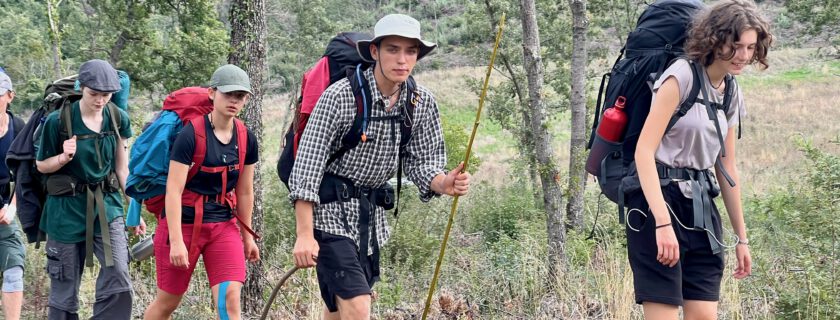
point(229, 78)
point(395, 25)
point(5, 83)
point(99, 75)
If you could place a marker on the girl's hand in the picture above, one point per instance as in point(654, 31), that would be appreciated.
point(252, 251)
point(744, 263)
point(178, 255)
point(668, 252)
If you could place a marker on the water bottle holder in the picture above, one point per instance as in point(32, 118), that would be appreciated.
point(601, 149)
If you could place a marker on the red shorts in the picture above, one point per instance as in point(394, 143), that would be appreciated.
point(219, 243)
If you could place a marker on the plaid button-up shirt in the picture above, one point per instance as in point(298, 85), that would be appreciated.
point(370, 164)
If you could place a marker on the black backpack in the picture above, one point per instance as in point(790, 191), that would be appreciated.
point(30, 187)
point(344, 62)
point(655, 43)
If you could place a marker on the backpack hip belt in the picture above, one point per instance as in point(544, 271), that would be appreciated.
point(197, 200)
point(337, 188)
point(704, 188)
point(63, 185)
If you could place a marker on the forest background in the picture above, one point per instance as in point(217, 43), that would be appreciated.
point(533, 240)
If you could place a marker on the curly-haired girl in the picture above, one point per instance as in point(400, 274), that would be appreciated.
point(676, 257)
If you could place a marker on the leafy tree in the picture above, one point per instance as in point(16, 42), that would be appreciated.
point(24, 52)
point(158, 42)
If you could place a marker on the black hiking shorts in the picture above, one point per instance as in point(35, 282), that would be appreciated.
point(696, 276)
point(339, 271)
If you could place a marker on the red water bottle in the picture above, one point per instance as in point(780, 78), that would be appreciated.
point(614, 121)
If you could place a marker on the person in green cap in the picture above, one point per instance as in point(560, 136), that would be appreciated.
point(12, 251)
point(204, 200)
point(83, 212)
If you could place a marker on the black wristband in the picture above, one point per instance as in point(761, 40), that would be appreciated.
point(663, 225)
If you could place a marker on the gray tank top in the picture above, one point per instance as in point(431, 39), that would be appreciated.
point(693, 141)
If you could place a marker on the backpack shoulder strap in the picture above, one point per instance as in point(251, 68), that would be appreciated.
point(406, 124)
point(362, 95)
point(241, 141)
point(407, 114)
point(116, 119)
point(728, 91)
point(713, 116)
point(690, 99)
point(200, 150)
point(65, 119)
point(17, 124)
point(727, 99)
point(13, 126)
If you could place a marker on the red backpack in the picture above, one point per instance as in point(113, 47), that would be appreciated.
point(189, 105)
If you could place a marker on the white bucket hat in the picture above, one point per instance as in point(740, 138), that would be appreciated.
point(395, 25)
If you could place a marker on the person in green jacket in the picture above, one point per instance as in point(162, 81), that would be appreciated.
point(83, 213)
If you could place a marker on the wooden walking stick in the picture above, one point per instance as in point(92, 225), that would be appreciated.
point(274, 292)
point(466, 162)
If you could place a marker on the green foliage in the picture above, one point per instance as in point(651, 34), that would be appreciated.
point(163, 45)
point(24, 52)
point(503, 211)
point(456, 139)
point(821, 18)
point(166, 40)
point(801, 222)
point(416, 235)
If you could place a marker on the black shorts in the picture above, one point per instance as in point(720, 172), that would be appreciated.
point(339, 271)
point(696, 276)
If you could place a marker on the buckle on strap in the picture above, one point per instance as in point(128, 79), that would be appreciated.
point(666, 172)
point(345, 191)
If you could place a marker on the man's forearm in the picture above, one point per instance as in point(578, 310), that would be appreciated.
point(437, 184)
point(303, 218)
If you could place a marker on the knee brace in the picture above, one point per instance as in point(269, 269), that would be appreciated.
point(222, 303)
point(13, 279)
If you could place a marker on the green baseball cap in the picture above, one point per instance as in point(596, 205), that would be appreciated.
point(228, 78)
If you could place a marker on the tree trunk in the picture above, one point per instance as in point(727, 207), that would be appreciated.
point(55, 35)
point(577, 159)
point(116, 50)
point(247, 39)
point(123, 37)
point(525, 136)
point(548, 170)
point(94, 24)
point(535, 180)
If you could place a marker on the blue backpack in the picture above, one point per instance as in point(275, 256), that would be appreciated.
point(148, 163)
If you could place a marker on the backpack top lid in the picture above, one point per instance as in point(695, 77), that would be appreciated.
point(662, 23)
point(343, 55)
point(59, 91)
point(188, 103)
